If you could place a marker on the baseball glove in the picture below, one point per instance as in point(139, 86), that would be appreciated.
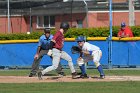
point(76, 49)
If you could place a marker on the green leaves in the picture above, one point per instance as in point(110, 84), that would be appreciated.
point(21, 36)
point(90, 32)
point(72, 33)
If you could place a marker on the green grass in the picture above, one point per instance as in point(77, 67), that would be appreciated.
point(14, 72)
point(64, 87)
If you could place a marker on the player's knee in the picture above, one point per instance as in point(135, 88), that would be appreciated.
point(97, 64)
point(55, 66)
point(69, 60)
point(80, 62)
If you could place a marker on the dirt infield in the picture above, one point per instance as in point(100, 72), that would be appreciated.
point(26, 79)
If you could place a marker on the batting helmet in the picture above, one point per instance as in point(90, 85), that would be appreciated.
point(47, 30)
point(64, 25)
point(123, 24)
point(80, 38)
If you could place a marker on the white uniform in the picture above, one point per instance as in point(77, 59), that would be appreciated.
point(96, 53)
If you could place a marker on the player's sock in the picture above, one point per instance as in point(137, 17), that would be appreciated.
point(100, 69)
point(82, 68)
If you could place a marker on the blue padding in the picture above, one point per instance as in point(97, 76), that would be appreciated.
point(22, 54)
point(134, 53)
point(119, 53)
point(17, 54)
point(126, 53)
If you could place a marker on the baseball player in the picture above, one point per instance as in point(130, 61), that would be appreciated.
point(57, 53)
point(89, 52)
point(43, 47)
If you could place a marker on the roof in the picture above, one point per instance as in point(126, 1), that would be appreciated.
point(20, 4)
point(59, 7)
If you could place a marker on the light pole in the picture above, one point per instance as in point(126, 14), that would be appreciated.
point(131, 13)
point(110, 36)
point(71, 12)
point(30, 19)
point(86, 6)
point(8, 16)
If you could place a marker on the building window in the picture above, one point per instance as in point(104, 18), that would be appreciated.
point(52, 21)
point(45, 21)
point(80, 23)
point(40, 21)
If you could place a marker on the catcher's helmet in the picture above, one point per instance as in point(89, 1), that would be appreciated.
point(123, 24)
point(47, 30)
point(80, 38)
point(64, 25)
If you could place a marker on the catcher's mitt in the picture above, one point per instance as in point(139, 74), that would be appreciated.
point(76, 49)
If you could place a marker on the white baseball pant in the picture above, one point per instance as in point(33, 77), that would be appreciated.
point(96, 56)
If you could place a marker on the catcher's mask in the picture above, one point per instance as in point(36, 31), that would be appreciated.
point(65, 26)
point(80, 39)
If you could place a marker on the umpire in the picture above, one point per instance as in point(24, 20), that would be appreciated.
point(43, 47)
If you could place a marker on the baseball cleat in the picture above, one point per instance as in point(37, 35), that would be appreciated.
point(39, 75)
point(79, 73)
point(31, 75)
point(84, 76)
point(74, 75)
point(61, 74)
point(102, 76)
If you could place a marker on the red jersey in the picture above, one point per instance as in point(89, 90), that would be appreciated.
point(59, 40)
point(126, 32)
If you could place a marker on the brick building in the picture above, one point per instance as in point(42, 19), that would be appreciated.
point(32, 15)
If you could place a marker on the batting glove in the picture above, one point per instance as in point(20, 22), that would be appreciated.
point(49, 53)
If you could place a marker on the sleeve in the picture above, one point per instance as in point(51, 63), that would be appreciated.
point(51, 36)
point(39, 42)
point(90, 52)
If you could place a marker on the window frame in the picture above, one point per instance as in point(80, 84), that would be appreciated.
point(43, 25)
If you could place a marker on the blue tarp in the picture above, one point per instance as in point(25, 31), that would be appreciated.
point(22, 54)
point(126, 53)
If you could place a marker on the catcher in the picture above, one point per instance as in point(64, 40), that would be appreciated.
point(87, 52)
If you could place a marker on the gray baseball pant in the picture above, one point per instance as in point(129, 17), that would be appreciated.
point(36, 62)
point(57, 55)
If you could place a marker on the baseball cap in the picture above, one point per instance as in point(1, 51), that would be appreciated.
point(123, 24)
point(80, 39)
